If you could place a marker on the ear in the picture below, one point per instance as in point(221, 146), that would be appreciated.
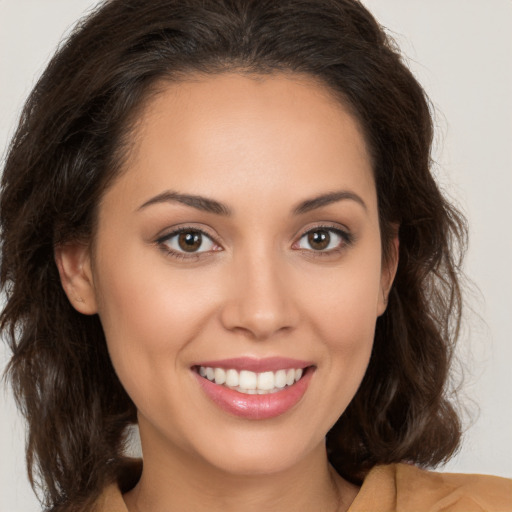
point(388, 273)
point(74, 263)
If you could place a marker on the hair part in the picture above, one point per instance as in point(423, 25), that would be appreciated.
point(73, 136)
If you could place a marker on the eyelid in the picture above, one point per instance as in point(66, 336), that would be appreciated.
point(170, 233)
point(346, 235)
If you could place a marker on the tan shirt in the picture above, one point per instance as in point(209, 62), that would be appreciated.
point(403, 488)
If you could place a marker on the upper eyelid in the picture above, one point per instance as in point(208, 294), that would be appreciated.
point(327, 226)
point(346, 235)
point(163, 244)
point(171, 232)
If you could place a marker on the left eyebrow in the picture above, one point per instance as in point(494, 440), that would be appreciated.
point(326, 199)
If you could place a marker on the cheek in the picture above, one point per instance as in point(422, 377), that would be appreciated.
point(149, 314)
point(347, 306)
point(343, 316)
point(349, 333)
point(344, 313)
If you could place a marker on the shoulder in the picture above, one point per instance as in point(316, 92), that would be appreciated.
point(403, 488)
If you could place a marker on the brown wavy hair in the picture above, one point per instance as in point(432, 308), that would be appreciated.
point(72, 137)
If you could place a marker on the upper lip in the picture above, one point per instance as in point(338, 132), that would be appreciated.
point(257, 365)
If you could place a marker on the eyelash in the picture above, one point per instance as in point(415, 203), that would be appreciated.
point(163, 240)
point(346, 237)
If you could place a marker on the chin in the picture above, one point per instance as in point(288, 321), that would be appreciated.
point(263, 453)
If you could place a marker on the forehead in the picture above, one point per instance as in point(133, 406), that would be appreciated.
point(209, 134)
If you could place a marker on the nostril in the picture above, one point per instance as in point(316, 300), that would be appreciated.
point(257, 325)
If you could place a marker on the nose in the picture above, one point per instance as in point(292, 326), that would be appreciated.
point(260, 301)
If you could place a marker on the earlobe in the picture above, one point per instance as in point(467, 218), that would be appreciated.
point(389, 269)
point(74, 264)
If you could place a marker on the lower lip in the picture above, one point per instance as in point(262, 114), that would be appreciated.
point(256, 407)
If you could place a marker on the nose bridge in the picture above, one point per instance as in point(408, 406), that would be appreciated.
point(260, 302)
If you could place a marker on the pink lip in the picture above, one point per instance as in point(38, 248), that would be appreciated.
point(269, 364)
point(256, 407)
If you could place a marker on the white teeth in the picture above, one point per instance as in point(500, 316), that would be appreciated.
point(220, 375)
point(280, 379)
point(248, 380)
point(266, 381)
point(252, 383)
point(232, 379)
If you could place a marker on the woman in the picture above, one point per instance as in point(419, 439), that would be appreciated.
point(219, 222)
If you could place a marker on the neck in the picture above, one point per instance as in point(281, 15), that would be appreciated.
point(173, 480)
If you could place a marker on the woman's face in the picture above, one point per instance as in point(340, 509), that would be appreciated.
point(241, 242)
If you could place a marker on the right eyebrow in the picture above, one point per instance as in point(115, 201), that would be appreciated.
point(199, 202)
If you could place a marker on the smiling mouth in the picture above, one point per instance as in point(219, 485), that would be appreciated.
point(252, 383)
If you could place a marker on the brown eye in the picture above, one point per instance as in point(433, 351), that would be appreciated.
point(324, 240)
point(319, 239)
point(190, 241)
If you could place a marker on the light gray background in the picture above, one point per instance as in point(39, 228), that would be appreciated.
point(461, 51)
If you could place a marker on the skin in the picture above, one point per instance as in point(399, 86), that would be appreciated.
point(260, 146)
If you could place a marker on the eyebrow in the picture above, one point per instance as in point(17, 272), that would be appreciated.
point(199, 202)
point(327, 199)
point(211, 206)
